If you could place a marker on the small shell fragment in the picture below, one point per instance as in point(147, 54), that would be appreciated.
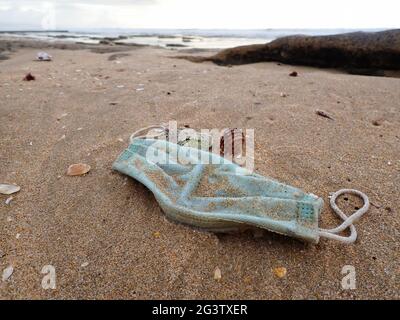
point(7, 272)
point(78, 169)
point(280, 272)
point(323, 114)
point(9, 188)
point(85, 264)
point(8, 201)
point(217, 274)
point(156, 234)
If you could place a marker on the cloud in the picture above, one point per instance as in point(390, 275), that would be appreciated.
point(42, 14)
point(83, 2)
point(224, 14)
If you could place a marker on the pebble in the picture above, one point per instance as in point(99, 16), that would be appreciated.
point(29, 77)
point(85, 264)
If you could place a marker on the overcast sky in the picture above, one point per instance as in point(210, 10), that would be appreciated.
point(226, 14)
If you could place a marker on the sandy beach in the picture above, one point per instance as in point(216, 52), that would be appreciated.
point(105, 234)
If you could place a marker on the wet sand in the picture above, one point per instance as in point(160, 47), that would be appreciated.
point(106, 235)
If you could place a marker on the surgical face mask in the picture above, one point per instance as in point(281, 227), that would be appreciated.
point(204, 190)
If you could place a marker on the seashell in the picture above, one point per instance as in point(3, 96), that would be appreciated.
point(9, 188)
point(156, 234)
point(7, 272)
point(8, 200)
point(78, 169)
point(43, 56)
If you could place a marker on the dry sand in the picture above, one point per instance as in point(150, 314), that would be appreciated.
point(77, 110)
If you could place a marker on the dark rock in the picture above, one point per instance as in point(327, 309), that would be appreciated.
point(359, 53)
point(106, 42)
point(29, 77)
point(175, 45)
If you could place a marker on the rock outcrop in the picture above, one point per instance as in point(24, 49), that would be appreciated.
point(359, 52)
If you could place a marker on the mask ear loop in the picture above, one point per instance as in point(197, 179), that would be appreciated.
point(143, 133)
point(347, 220)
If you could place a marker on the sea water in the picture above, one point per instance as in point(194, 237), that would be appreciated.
point(174, 38)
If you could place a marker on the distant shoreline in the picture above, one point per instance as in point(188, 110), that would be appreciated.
point(10, 45)
point(172, 38)
point(113, 44)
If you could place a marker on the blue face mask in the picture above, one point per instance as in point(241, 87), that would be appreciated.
point(221, 196)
